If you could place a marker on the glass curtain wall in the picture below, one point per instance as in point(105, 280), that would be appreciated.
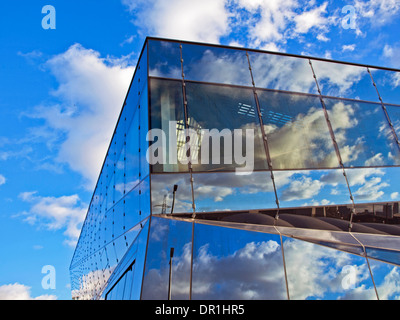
point(121, 200)
point(277, 157)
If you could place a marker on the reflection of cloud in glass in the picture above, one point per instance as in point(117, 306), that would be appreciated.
point(316, 272)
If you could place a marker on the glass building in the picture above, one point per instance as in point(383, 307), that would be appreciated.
point(235, 173)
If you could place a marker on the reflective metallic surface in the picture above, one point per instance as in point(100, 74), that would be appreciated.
point(315, 216)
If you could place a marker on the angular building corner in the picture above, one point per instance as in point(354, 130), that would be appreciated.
point(243, 174)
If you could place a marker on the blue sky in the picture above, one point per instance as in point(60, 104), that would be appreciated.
point(61, 91)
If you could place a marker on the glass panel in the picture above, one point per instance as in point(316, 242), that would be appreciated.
point(141, 243)
point(144, 190)
point(119, 188)
point(236, 264)
point(164, 59)
point(143, 130)
point(387, 280)
point(141, 70)
point(385, 242)
point(167, 114)
point(234, 121)
point(392, 257)
point(394, 116)
point(388, 84)
point(362, 133)
point(214, 64)
point(376, 185)
point(128, 284)
point(132, 154)
point(164, 235)
point(162, 193)
point(326, 273)
point(120, 247)
point(226, 191)
point(312, 188)
point(298, 135)
point(344, 81)
point(120, 288)
point(282, 73)
point(109, 226)
point(132, 208)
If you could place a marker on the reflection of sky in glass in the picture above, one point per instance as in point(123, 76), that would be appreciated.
point(164, 235)
point(388, 84)
point(317, 272)
point(387, 280)
point(298, 136)
point(227, 191)
point(164, 59)
point(236, 264)
point(362, 133)
point(282, 73)
point(213, 64)
point(344, 81)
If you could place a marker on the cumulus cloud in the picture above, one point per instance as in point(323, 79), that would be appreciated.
point(303, 188)
point(193, 20)
point(90, 92)
point(55, 213)
point(2, 180)
point(378, 11)
point(18, 291)
point(265, 24)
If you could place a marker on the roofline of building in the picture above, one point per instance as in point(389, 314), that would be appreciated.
point(269, 52)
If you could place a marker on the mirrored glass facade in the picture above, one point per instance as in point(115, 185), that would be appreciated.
point(241, 174)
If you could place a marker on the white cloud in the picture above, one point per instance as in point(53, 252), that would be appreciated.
point(379, 12)
point(349, 47)
point(90, 91)
point(392, 55)
point(254, 270)
point(322, 37)
point(18, 291)
point(65, 212)
point(2, 180)
point(194, 20)
point(394, 195)
point(263, 23)
point(313, 18)
point(303, 188)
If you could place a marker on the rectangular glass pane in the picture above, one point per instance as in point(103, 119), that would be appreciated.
point(297, 132)
point(280, 72)
point(164, 59)
point(236, 264)
point(326, 273)
point(227, 191)
point(394, 116)
point(167, 116)
point(141, 243)
point(362, 133)
point(376, 185)
point(167, 234)
point(132, 154)
point(386, 278)
point(231, 138)
point(162, 193)
point(388, 84)
point(344, 81)
point(307, 188)
point(143, 130)
point(215, 64)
